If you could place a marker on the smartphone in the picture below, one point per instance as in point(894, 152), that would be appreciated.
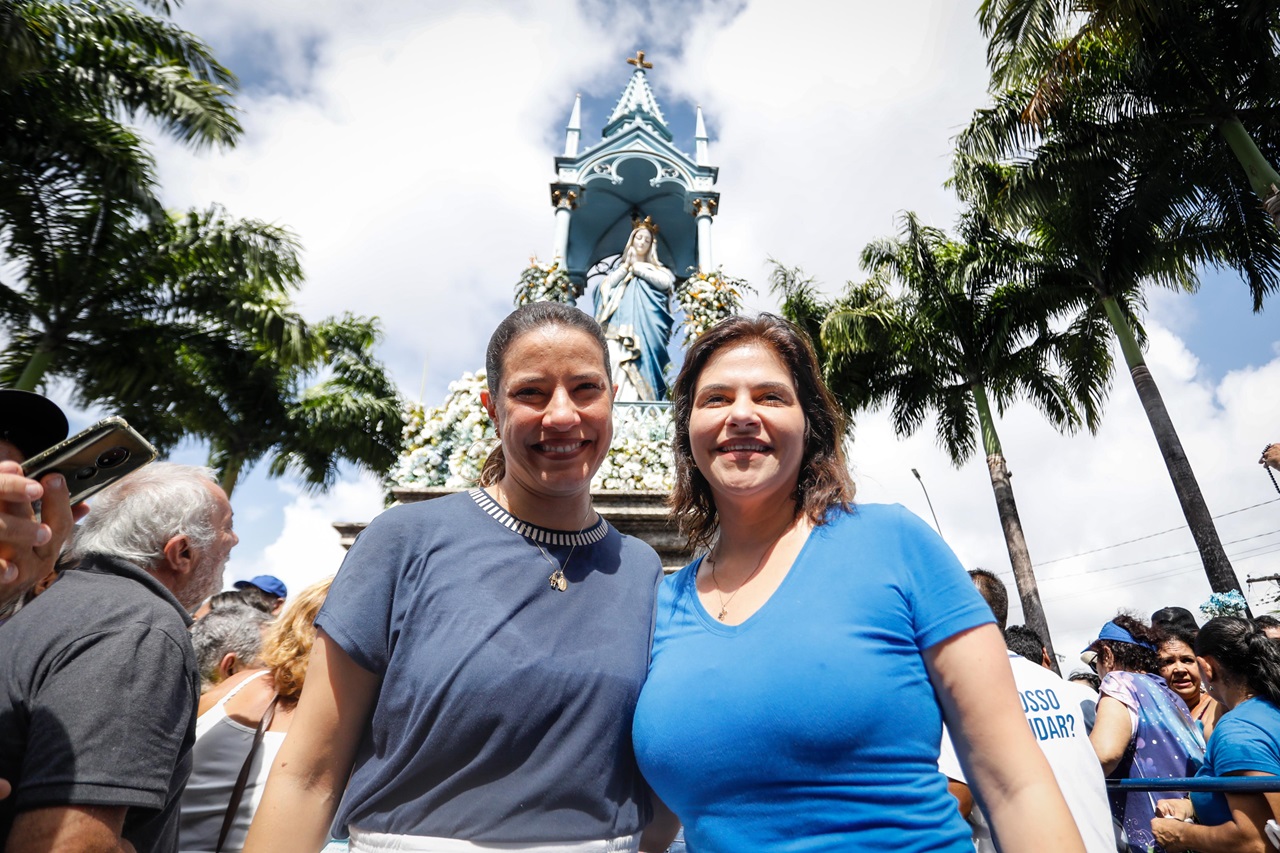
point(94, 459)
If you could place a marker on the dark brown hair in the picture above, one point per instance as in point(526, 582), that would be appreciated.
point(529, 318)
point(1243, 649)
point(1131, 657)
point(994, 592)
point(824, 479)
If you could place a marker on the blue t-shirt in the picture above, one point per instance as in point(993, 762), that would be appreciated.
point(1246, 738)
point(813, 725)
point(504, 711)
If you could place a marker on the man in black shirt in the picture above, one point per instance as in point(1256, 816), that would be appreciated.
point(98, 680)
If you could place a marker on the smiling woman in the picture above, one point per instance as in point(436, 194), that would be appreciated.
point(755, 644)
point(480, 655)
point(550, 400)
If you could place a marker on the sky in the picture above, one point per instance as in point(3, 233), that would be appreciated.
point(410, 147)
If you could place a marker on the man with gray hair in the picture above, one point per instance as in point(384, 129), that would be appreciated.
point(98, 681)
point(228, 640)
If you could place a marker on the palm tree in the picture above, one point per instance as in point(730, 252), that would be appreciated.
point(1107, 226)
point(964, 338)
point(1181, 66)
point(353, 413)
point(70, 70)
point(104, 291)
point(186, 328)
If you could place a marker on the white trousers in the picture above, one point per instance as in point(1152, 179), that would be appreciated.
point(383, 842)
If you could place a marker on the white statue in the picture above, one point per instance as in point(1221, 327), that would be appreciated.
point(633, 306)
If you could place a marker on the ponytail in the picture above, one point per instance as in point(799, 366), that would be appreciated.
point(1245, 653)
point(495, 467)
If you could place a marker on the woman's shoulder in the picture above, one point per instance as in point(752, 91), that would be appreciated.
point(1257, 713)
point(681, 578)
point(1118, 683)
point(413, 514)
point(638, 555)
point(878, 518)
point(250, 703)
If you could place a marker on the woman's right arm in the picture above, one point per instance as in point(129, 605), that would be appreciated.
point(1112, 731)
point(311, 770)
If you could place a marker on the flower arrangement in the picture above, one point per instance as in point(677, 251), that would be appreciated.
point(640, 457)
point(707, 298)
point(446, 446)
point(1224, 604)
point(546, 283)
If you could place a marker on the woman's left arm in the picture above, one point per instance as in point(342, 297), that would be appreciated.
point(1244, 833)
point(1001, 760)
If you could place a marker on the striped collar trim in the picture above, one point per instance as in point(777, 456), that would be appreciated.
point(590, 536)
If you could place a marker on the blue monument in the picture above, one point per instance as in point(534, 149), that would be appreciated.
point(633, 218)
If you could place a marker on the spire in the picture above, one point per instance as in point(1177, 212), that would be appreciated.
point(701, 157)
point(572, 132)
point(637, 100)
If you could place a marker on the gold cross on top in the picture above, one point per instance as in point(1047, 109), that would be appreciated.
point(638, 60)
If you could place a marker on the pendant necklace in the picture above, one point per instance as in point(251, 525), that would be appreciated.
point(725, 602)
point(557, 579)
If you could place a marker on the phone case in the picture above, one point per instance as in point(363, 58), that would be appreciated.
point(93, 459)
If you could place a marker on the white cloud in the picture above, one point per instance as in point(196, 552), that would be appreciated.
point(410, 146)
point(308, 547)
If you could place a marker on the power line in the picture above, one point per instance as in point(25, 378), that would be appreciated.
point(1247, 553)
point(1149, 535)
point(1193, 567)
point(1157, 559)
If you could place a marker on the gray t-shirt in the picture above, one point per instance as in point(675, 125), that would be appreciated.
point(98, 693)
point(504, 712)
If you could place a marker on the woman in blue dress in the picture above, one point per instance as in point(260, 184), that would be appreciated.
point(803, 667)
point(1143, 730)
point(633, 306)
point(1240, 666)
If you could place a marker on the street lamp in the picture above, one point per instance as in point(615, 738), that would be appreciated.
point(936, 526)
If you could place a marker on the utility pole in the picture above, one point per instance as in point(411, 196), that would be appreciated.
point(1265, 579)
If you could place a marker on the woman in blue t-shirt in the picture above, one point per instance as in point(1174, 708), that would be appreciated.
point(802, 669)
point(1240, 666)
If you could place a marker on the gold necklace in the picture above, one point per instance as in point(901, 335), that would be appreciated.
point(557, 579)
point(725, 602)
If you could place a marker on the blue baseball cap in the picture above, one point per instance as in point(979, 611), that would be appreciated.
point(1112, 631)
point(269, 584)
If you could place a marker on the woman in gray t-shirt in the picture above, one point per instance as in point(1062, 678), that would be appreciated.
point(479, 657)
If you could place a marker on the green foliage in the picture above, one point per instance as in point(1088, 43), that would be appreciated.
point(68, 73)
point(546, 283)
point(707, 298)
point(1172, 108)
point(941, 317)
point(184, 324)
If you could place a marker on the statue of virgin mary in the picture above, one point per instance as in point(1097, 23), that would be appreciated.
point(633, 306)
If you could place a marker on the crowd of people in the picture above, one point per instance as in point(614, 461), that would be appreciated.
point(501, 669)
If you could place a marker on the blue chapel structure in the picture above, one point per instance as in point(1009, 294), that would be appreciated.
point(634, 171)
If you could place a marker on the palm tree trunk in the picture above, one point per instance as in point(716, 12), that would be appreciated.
point(36, 368)
point(231, 473)
point(1007, 508)
point(1262, 176)
point(1222, 578)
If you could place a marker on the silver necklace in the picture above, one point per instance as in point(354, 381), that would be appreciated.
point(725, 602)
point(557, 579)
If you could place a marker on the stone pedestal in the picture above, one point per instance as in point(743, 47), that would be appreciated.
point(635, 513)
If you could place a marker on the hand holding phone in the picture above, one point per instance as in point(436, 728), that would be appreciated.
point(29, 545)
point(91, 460)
